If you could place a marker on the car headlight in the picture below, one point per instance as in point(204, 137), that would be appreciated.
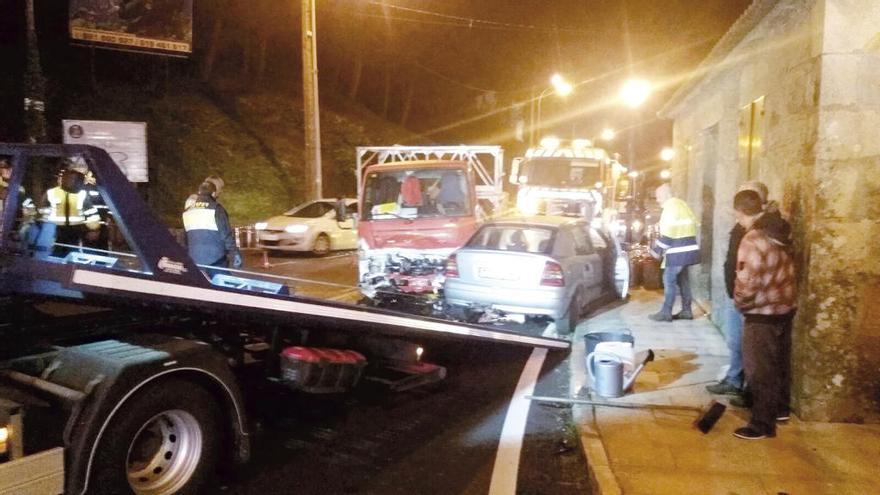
point(296, 229)
point(261, 225)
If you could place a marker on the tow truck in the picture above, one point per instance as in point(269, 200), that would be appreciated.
point(125, 370)
point(417, 205)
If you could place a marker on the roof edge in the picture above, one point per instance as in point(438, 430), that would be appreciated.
point(753, 15)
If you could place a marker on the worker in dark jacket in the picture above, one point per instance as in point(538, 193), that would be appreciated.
point(208, 234)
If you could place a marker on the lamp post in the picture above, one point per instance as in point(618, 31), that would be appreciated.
point(558, 85)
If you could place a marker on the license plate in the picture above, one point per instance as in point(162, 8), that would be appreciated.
point(496, 274)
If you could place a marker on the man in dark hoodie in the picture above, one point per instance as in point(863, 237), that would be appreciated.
point(732, 319)
point(764, 291)
point(209, 237)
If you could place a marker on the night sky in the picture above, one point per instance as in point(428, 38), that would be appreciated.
point(471, 67)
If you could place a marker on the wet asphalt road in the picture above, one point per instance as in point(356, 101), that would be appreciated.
point(439, 439)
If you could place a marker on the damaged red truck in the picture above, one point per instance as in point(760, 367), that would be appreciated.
point(417, 205)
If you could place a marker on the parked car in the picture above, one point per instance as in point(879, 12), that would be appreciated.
point(313, 226)
point(535, 266)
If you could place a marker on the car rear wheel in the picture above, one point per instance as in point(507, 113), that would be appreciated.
point(322, 245)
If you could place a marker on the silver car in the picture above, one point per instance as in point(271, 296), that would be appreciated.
point(535, 266)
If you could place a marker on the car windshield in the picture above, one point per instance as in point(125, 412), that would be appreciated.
point(560, 172)
point(316, 209)
point(520, 238)
point(417, 193)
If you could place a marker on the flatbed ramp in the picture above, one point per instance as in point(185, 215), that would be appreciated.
point(153, 270)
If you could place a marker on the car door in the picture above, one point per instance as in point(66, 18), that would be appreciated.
point(347, 230)
point(588, 260)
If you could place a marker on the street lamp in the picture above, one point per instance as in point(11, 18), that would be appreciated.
point(607, 134)
point(667, 154)
point(634, 92)
point(665, 174)
point(558, 85)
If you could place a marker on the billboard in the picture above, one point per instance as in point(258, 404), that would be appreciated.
point(125, 142)
point(163, 26)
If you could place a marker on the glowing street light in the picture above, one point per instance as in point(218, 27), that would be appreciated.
point(665, 174)
point(634, 92)
point(607, 134)
point(558, 85)
point(667, 154)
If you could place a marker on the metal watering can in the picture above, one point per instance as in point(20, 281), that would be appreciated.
point(607, 375)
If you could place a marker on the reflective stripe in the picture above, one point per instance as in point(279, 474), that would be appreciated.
point(199, 219)
point(682, 249)
point(66, 208)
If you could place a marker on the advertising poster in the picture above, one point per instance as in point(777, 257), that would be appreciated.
point(159, 26)
point(125, 142)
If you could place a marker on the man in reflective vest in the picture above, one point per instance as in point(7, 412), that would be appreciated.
point(69, 207)
point(208, 234)
point(678, 247)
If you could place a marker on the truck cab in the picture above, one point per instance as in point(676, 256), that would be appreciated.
point(558, 178)
point(417, 205)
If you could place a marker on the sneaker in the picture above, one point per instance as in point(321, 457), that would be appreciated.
point(783, 416)
point(661, 316)
point(741, 402)
point(724, 388)
point(683, 315)
point(751, 433)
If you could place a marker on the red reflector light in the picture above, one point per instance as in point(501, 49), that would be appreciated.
point(552, 275)
point(451, 267)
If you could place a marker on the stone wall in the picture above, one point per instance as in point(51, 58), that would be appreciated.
point(839, 340)
point(816, 63)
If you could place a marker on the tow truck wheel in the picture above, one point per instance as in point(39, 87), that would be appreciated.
point(322, 245)
point(165, 440)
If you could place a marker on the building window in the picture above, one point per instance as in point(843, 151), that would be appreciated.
point(751, 138)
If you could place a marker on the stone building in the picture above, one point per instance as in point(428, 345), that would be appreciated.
point(791, 96)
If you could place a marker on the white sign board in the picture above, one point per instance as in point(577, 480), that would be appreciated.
point(125, 142)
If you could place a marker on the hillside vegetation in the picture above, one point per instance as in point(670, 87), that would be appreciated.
point(253, 141)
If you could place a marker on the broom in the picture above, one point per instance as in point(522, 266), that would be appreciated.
point(704, 422)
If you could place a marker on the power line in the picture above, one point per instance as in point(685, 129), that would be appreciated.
point(474, 22)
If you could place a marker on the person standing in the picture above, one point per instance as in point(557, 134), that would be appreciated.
point(69, 207)
point(677, 246)
point(209, 237)
point(764, 291)
point(732, 319)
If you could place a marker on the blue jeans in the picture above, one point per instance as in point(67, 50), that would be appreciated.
point(732, 324)
point(675, 279)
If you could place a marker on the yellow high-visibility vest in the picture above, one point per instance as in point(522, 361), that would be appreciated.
point(66, 208)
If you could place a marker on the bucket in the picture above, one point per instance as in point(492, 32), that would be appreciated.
point(593, 338)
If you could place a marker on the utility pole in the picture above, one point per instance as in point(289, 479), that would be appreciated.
point(310, 102)
point(34, 84)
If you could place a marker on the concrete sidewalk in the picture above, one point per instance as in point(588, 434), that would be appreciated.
point(660, 451)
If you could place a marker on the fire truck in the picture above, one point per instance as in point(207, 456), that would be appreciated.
point(125, 369)
point(417, 205)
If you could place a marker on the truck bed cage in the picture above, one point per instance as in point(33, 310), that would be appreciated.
point(487, 162)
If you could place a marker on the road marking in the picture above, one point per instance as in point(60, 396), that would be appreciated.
point(506, 470)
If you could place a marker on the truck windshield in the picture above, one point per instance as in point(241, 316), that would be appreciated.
point(560, 172)
point(417, 193)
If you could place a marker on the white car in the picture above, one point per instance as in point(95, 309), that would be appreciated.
point(311, 226)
